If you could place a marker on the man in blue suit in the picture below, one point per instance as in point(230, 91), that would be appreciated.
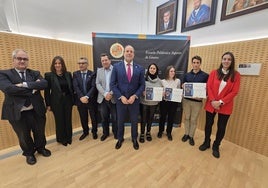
point(127, 84)
point(84, 83)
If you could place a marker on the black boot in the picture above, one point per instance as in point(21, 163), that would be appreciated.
point(205, 145)
point(215, 150)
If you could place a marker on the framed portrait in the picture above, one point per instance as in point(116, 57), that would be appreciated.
point(166, 17)
point(234, 8)
point(198, 13)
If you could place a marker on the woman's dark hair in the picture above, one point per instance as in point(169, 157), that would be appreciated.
point(231, 70)
point(147, 73)
point(167, 72)
point(52, 67)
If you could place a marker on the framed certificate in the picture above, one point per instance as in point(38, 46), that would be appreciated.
point(195, 90)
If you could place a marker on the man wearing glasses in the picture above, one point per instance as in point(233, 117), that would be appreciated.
point(23, 105)
point(86, 97)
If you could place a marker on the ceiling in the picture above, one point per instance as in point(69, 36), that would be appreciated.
point(72, 20)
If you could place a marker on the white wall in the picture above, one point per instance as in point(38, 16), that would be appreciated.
point(75, 20)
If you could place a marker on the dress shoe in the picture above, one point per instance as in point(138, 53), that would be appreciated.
point(169, 137)
point(30, 159)
point(141, 138)
point(103, 137)
point(191, 141)
point(216, 153)
point(185, 138)
point(204, 146)
point(69, 142)
point(135, 144)
point(148, 136)
point(159, 135)
point(119, 144)
point(94, 136)
point(64, 143)
point(45, 152)
point(83, 136)
point(115, 136)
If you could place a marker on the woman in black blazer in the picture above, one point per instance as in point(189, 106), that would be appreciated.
point(59, 99)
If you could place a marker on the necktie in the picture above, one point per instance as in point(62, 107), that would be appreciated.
point(28, 101)
point(84, 82)
point(22, 76)
point(128, 72)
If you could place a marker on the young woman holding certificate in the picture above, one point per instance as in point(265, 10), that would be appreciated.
point(222, 86)
point(148, 105)
point(168, 108)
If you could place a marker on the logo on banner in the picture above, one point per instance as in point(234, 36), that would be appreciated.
point(117, 50)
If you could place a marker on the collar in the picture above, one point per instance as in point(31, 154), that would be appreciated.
point(126, 63)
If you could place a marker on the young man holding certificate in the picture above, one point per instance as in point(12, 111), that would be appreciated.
point(192, 105)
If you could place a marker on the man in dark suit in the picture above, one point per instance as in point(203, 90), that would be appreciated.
point(106, 98)
point(23, 106)
point(127, 84)
point(167, 22)
point(86, 97)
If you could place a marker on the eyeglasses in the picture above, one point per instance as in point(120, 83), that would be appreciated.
point(81, 63)
point(21, 58)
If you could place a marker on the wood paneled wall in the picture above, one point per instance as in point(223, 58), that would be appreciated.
point(247, 127)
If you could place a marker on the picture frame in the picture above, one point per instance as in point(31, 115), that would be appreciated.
point(234, 8)
point(166, 17)
point(194, 18)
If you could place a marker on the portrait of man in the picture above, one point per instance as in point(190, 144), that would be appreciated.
point(200, 12)
point(166, 17)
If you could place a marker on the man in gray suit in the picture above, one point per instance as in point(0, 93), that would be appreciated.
point(24, 106)
point(105, 97)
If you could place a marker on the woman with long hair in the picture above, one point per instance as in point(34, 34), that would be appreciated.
point(59, 99)
point(222, 87)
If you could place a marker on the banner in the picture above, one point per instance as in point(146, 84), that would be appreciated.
point(162, 50)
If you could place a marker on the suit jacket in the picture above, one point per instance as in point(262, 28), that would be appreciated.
point(90, 87)
point(15, 97)
point(120, 84)
point(226, 95)
point(101, 84)
point(53, 92)
point(162, 26)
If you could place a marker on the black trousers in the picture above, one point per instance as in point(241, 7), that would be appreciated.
point(221, 127)
point(167, 111)
point(85, 110)
point(147, 115)
point(29, 122)
point(63, 119)
point(108, 112)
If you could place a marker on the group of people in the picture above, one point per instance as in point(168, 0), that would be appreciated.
point(118, 92)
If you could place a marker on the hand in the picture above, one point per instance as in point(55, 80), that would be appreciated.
point(144, 93)
point(124, 100)
point(38, 80)
point(84, 100)
point(19, 85)
point(131, 99)
point(48, 108)
point(108, 96)
point(216, 104)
